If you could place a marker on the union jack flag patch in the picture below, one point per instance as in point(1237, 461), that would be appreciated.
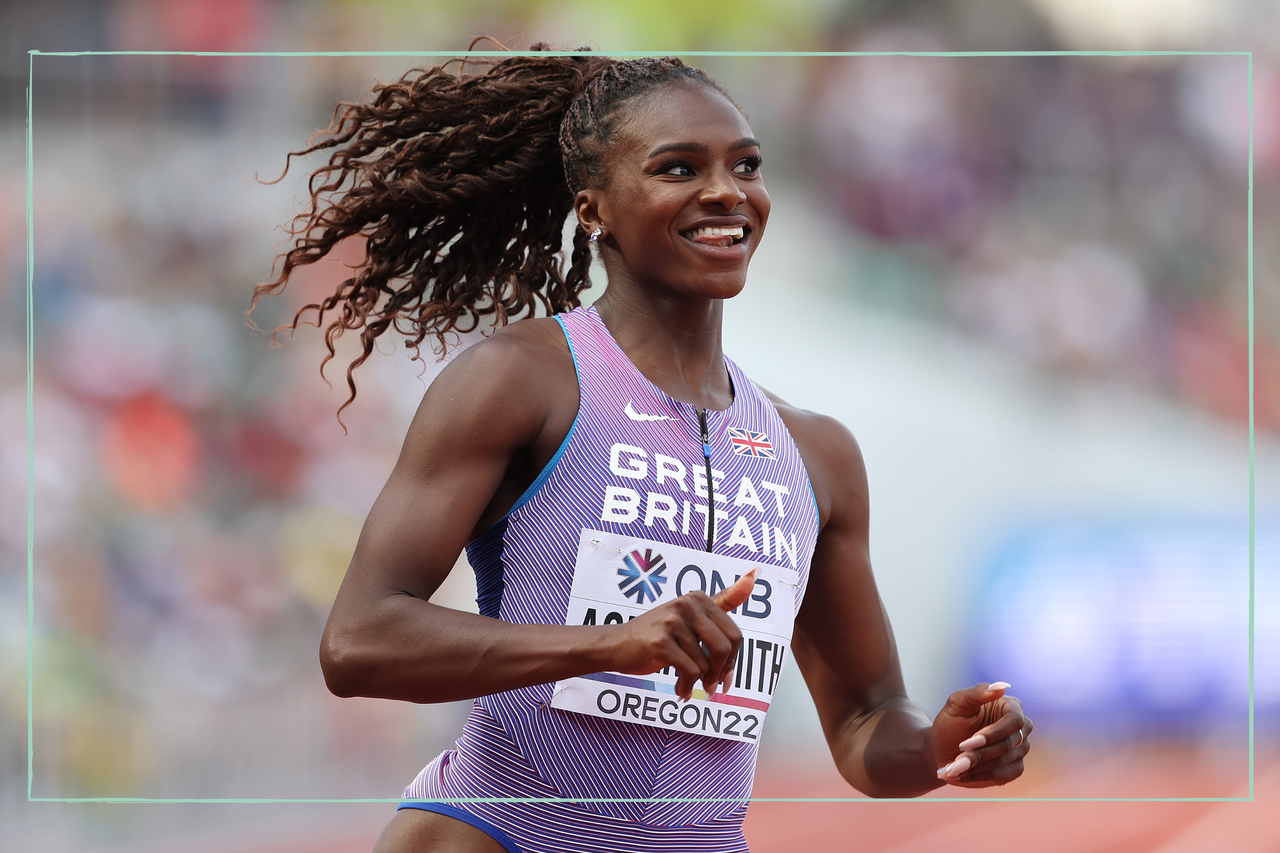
point(747, 443)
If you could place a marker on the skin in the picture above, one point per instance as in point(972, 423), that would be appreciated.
point(493, 419)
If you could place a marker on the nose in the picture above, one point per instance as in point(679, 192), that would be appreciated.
point(722, 190)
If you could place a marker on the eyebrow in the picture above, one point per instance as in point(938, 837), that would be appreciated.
point(701, 148)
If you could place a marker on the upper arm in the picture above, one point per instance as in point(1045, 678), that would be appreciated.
point(843, 641)
point(488, 410)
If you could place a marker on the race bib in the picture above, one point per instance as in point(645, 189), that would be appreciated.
point(616, 578)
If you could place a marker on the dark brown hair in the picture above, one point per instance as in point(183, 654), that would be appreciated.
point(460, 184)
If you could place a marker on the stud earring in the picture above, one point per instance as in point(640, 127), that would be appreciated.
point(595, 235)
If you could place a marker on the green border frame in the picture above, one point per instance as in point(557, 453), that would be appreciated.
point(30, 354)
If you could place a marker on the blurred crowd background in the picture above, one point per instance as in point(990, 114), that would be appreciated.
point(1021, 281)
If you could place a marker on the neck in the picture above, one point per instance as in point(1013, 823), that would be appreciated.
point(673, 340)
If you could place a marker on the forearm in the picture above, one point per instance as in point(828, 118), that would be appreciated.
point(888, 752)
point(412, 650)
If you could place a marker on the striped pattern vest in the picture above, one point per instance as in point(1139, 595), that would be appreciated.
point(634, 464)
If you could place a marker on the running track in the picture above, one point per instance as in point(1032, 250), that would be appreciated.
point(916, 827)
point(1248, 827)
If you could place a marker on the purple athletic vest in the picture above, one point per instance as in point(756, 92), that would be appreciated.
point(632, 464)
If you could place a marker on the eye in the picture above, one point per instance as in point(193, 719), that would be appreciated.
point(676, 168)
point(748, 165)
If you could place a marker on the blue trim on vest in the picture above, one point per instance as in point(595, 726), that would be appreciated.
point(467, 817)
point(817, 513)
point(545, 474)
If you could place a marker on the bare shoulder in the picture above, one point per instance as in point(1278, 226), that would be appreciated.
point(529, 346)
point(516, 361)
point(507, 386)
point(822, 438)
point(538, 332)
point(831, 456)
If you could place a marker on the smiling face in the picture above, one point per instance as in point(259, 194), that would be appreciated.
point(682, 204)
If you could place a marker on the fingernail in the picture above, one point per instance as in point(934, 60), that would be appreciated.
point(973, 742)
point(942, 771)
point(998, 685)
point(960, 765)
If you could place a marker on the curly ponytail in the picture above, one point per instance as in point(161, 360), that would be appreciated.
point(460, 186)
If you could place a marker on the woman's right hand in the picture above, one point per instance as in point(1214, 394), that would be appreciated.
point(692, 633)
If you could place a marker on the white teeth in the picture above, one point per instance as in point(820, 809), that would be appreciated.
point(717, 231)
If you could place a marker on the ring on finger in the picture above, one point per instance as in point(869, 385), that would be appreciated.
point(1021, 737)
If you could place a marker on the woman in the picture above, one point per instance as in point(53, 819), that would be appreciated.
point(641, 518)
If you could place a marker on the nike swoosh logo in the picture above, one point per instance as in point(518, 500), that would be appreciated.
point(630, 412)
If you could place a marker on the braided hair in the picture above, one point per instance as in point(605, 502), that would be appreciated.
point(460, 185)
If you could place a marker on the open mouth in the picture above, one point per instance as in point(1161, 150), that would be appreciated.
point(717, 235)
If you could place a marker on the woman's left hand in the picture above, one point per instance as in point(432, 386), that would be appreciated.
point(980, 737)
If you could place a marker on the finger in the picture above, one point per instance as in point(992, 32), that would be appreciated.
point(729, 598)
point(723, 639)
point(986, 781)
point(1000, 748)
point(1011, 748)
point(986, 778)
point(1016, 754)
point(686, 656)
point(1010, 721)
point(731, 662)
point(957, 768)
point(720, 639)
point(966, 702)
point(974, 702)
point(684, 685)
point(996, 773)
point(703, 641)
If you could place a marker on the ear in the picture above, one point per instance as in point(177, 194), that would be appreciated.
point(587, 205)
